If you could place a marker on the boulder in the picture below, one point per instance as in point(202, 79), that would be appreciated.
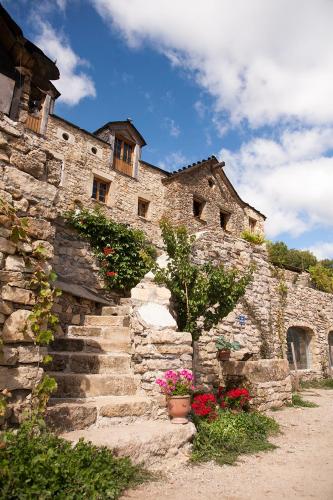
point(19, 295)
point(156, 316)
point(23, 377)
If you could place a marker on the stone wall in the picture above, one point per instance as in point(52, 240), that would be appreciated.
point(157, 346)
point(207, 184)
point(267, 319)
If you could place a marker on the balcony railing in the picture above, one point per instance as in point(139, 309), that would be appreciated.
point(123, 166)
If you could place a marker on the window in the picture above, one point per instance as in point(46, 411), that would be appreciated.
point(65, 136)
point(224, 218)
point(100, 190)
point(143, 206)
point(117, 147)
point(252, 224)
point(94, 150)
point(123, 150)
point(198, 206)
point(300, 338)
point(211, 182)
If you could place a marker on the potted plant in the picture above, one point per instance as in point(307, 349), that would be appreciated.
point(177, 386)
point(224, 348)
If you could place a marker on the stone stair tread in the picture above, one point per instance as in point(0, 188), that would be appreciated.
point(71, 384)
point(88, 354)
point(98, 401)
point(104, 320)
point(145, 441)
point(105, 331)
point(103, 344)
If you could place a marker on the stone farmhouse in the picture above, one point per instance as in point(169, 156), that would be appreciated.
point(106, 358)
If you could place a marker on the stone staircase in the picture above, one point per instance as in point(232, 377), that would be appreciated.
point(98, 396)
point(92, 367)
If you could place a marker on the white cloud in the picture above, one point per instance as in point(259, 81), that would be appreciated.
point(200, 108)
point(263, 61)
point(289, 179)
point(173, 161)
point(172, 127)
point(61, 4)
point(74, 84)
point(322, 250)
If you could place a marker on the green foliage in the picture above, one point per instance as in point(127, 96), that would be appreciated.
point(322, 277)
point(297, 400)
point(206, 291)
point(254, 238)
point(124, 253)
point(324, 383)
point(222, 344)
point(280, 255)
point(231, 435)
point(36, 464)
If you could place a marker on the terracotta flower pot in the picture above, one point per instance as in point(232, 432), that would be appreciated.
point(179, 407)
point(223, 355)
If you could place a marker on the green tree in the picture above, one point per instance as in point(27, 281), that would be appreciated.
point(203, 292)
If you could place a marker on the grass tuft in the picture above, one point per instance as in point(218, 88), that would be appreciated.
point(324, 383)
point(231, 435)
point(297, 400)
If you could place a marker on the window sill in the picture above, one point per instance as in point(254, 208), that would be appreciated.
point(144, 219)
point(199, 219)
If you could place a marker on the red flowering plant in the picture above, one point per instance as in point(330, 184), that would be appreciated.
point(205, 406)
point(176, 383)
point(235, 399)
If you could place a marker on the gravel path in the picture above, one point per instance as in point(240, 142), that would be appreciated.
point(301, 466)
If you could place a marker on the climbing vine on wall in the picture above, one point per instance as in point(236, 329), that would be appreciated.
point(124, 253)
point(42, 322)
point(203, 294)
point(282, 292)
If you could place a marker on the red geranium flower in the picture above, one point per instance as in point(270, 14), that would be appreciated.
point(111, 273)
point(108, 250)
point(204, 405)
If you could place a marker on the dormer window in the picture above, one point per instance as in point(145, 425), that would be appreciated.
point(123, 150)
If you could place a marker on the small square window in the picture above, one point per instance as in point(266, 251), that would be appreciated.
point(143, 206)
point(252, 224)
point(100, 190)
point(224, 218)
point(198, 206)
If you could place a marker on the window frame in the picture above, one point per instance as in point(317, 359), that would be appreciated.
point(145, 204)
point(123, 150)
point(226, 216)
point(98, 182)
point(201, 205)
point(252, 224)
point(303, 359)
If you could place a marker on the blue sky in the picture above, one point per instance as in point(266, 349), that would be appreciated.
point(249, 82)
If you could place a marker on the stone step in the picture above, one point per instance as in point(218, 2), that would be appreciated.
point(106, 321)
point(86, 362)
point(116, 310)
point(92, 344)
point(146, 441)
point(70, 414)
point(98, 331)
point(76, 385)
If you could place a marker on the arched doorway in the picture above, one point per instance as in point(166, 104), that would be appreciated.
point(301, 339)
point(330, 345)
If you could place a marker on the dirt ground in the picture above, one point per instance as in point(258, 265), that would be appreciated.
point(301, 466)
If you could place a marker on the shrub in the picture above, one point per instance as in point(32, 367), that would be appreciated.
point(322, 277)
point(254, 238)
point(280, 255)
point(41, 465)
point(204, 292)
point(230, 435)
point(124, 253)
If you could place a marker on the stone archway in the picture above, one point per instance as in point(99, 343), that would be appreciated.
point(301, 338)
point(330, 345)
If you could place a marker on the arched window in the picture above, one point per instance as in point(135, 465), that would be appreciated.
point(330, 345)
point(301, 340)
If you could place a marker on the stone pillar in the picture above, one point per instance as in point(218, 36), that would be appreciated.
point(45, 113)
point(137, 155)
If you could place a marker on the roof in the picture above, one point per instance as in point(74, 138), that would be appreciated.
point(25, 53)
point(127, 123)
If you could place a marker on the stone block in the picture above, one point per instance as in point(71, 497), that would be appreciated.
point(23, 377)
point(8, 355)
point(40, 229)
point(21, 205)
point(31, 353)
point(156, 316)
point(170, 337)
point(264, 370)
point(14, 263)
point(19, 295)
point(7, 246)
point(32, 189)
point(15, 328)
point(48, 252)
point(6, 307)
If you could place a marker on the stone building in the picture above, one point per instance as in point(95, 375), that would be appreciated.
point(47, 166)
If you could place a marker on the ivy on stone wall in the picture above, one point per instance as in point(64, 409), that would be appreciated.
point(203, 294)
point(124, 253)
point(41, 323)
